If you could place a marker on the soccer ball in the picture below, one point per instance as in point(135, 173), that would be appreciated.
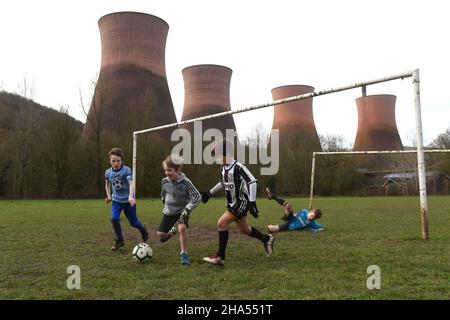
point(142, 252)
point(117, 184)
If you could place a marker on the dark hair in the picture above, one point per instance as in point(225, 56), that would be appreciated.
point(173, 162)
point(116, 152)
point(317, 213)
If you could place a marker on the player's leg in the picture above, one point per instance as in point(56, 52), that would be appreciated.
point(222, 227)
point(116, 209)
point(130, 213)
point(278, 227)
point(182, 231)
point(266, 239)
point(272, 228)
point(166, 228)
point(273, 196)
point(288, 211)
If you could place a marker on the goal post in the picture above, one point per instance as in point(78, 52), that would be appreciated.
point(414, 74)
point(422, 183)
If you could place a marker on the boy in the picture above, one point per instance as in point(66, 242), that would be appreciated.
point(303, 219)
point(119, 178)
point(240, 188)
point(179, 197)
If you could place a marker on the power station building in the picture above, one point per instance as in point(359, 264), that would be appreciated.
point(132, 92)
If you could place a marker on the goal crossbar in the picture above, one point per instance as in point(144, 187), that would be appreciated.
point(281, 101)
point(268, 104)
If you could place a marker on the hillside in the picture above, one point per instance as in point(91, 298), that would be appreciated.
point(35, 147)
point(11, 106)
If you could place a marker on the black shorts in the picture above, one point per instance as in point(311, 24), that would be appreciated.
point(168, 222)
point(239, 210)
point(285, 225)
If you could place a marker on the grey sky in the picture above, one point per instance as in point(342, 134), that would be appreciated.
point(56, 44)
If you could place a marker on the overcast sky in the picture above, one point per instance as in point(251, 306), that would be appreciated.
point(321, 43)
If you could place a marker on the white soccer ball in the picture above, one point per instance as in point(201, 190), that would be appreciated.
point(142, 252)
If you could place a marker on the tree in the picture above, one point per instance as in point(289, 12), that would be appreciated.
point(337, 174)
point(442, 141)
point(62, 134)
point(441, 162)
point(95, 122)
point(24, 128)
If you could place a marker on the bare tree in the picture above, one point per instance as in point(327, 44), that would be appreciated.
point(62, 135)
point(442, 141)
point(441, 162)
point(95, 122)
point(24, 132)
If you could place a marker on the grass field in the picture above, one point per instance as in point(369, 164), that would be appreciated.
point(40, 239)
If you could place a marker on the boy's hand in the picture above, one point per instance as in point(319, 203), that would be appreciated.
point(107, 200)
point(205, 196)
point(132, 201)
point(253, 209)
point(184, 216)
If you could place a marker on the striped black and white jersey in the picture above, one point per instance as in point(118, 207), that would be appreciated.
point(239, 184)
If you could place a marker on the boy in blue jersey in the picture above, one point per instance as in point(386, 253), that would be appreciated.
point(303, 219)
point(119, 178)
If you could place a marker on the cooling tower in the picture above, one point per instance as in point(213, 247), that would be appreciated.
point(295, 120)
point(132, 92)
point(377, 129)
point(207, 91)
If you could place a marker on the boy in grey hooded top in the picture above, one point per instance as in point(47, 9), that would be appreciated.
point(180, 197)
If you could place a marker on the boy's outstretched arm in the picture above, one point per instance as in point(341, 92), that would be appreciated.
point(208, 194)
point(194, 194)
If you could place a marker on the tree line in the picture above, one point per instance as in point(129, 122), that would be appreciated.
point(46, 154)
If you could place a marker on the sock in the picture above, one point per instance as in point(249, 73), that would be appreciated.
point(279, 200)
point(255, 233)
point(172, 231)
point(223, 240)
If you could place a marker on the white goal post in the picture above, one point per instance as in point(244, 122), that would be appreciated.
point(418, 117)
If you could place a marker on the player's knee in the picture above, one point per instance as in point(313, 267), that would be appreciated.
point(115, 220)
point(221, 225)
point(288, 207)
point(182, 227)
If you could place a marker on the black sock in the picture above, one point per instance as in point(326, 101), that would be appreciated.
point(279, 200)
point(223, 240)
point(255, 233)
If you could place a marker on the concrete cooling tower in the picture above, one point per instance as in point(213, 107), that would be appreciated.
point(377, 129)
point(132, 92)
point(295, 120)
point(207, 91)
